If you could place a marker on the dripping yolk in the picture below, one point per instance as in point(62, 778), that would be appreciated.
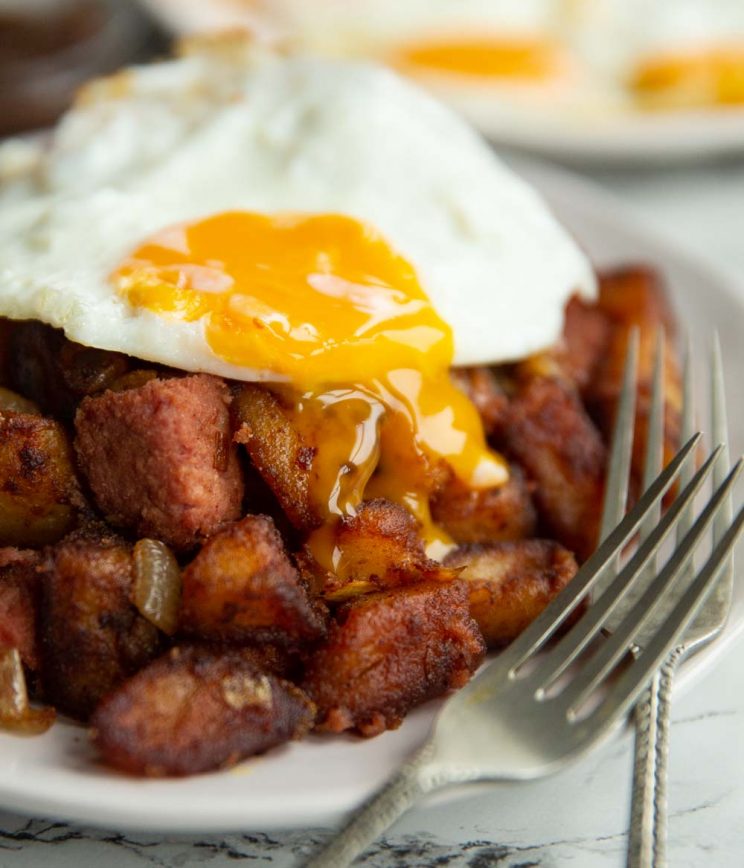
point(712, 76)
point(323, 310)
point(305, 298)
point(527, 58)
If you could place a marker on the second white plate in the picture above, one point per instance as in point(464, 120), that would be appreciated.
point(632, 137)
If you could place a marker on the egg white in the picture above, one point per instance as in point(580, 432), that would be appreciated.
point(230, 127)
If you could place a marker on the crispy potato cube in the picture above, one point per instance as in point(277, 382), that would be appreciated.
point(92, 637)
point(586, 335)
point(39, 493)
point(380, 547)
point(510, 583)
point(278, 452)
point(635, 297)
point(242, 587)
point(483, 388)
point(197, 709)
point(19, 585)
point(486, 515)
point(550, 434)
point(391, 651)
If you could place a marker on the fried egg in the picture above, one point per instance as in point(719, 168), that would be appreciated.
point(320, 225)
point(159, 149)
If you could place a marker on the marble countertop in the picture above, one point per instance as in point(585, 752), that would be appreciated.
point(576, 818)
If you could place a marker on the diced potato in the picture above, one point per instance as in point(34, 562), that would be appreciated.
point(486, 515)
point(586, 335)
point(510, 583)
point(39, 494)
point(278, 452)
point(92, 636)
point(635, 297)
point(550, 434)
point(483, 388)
point(242, 587)
point(378, 548)
point(391, 651)
point(12, 402)
point(198, 709)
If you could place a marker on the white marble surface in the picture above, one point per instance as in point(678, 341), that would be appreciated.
point(577, 818)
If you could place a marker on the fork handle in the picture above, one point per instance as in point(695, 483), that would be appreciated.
point(380, 812)
point(648, 815)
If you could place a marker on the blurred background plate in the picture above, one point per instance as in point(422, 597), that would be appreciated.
point(633, 140)
point(315, 782)
point(601, 123)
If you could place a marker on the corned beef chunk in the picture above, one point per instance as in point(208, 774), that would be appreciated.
point(197, 709)
point(159, 458)
point(391, 651)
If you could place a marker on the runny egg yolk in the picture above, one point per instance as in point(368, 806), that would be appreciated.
point(712, 76)
point(338, 325)
point(527, 58)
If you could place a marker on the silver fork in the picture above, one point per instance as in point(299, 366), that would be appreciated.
point(647, 835)
point(539, 705)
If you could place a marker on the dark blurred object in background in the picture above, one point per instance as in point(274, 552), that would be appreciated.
point(48, 48)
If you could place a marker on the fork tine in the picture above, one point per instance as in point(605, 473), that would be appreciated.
point(633, 573)
point(654, 458)
point(617, 645)
point(631, 683)
point(719, 430)
point(688, 422)
point(616, 485)
point(561, 607)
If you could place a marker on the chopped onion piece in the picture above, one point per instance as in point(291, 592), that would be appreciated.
point(157, 584)
point(16, 403)
point(16, 715)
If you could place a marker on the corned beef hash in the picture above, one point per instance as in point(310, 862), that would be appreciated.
point(303, 406)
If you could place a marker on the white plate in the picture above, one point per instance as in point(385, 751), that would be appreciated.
point(617, 138)
point(314, 782)
point(627, 139)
